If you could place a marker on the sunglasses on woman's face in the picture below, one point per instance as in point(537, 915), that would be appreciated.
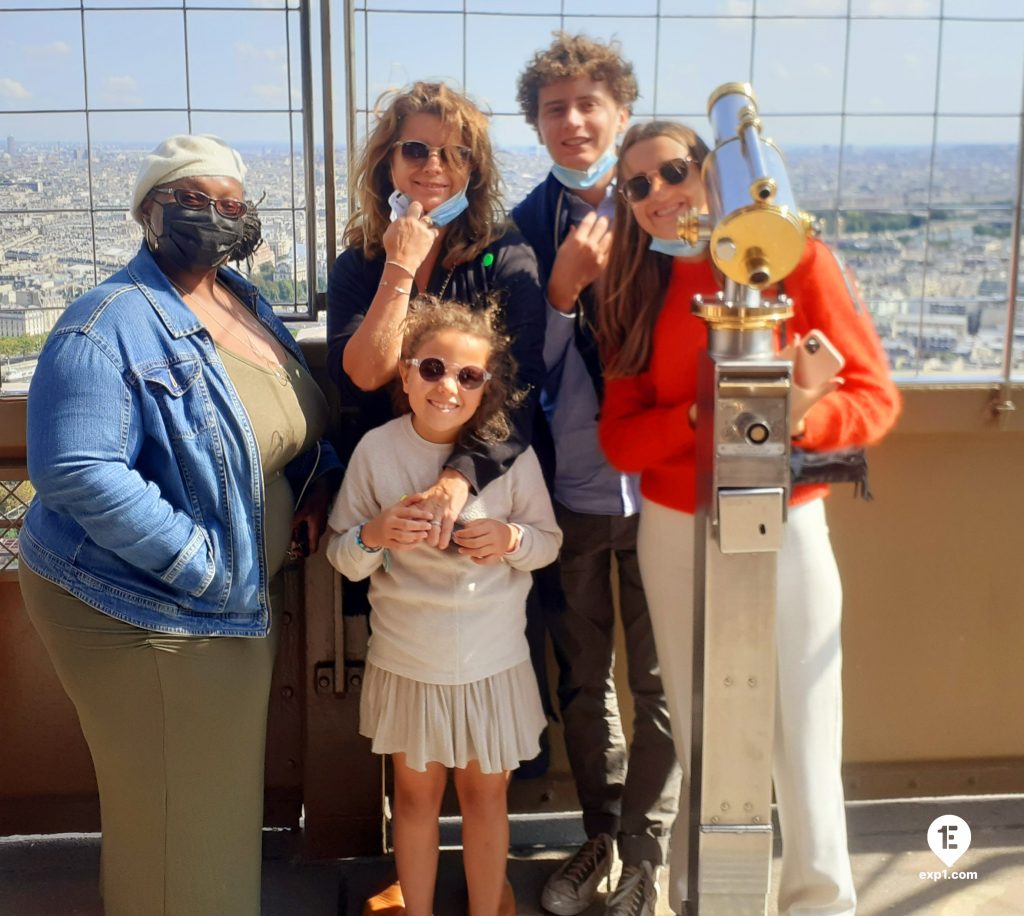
point(674, 171)
point(417, 152)
point(433, 369)
point(190, 199)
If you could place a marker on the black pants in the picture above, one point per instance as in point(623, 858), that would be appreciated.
point(631, 793)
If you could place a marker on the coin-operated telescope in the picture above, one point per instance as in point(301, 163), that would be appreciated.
point(756, 236)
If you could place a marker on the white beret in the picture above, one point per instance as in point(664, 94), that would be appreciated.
point(185, 156)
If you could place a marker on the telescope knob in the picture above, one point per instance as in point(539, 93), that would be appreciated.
point(689, 226)
point(762, 191)
point(810, 223)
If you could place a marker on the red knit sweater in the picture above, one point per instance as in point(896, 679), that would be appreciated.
point(644, 426)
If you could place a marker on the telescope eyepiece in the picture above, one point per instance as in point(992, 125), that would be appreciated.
point(758, 272)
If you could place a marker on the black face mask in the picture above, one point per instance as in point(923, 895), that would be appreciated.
point(198, 239)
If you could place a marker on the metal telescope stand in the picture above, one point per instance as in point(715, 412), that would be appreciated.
point(742, 483)
point(756, 237)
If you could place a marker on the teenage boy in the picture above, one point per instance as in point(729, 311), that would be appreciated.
point(578, 94)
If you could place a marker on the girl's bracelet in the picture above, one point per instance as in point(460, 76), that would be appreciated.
point(397, 289)
point(400, 266)
point(361, 544)
point(518, 540)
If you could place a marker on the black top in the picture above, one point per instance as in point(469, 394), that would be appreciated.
point(544, 219)
point(508, 267)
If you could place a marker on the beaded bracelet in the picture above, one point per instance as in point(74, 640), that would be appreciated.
point(361, 544)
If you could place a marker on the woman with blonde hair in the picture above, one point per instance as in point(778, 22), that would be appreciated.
point(428, 219)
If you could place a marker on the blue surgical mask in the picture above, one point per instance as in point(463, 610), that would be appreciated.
point(677, 248)
point(581, 180)
point(447, 210)
point(441, 215)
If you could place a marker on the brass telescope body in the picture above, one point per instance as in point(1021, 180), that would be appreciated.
point(756, 232)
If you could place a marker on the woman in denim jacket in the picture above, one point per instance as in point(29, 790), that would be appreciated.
point(173, 429)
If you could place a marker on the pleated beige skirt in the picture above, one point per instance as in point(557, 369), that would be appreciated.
point(496, 721)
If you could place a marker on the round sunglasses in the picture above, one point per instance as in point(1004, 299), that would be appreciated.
point(433, 369)
point(674, 171)
point(418, 152)
point(190, 199)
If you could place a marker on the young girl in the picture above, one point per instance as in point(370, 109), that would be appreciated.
point(449, 684)
point(652, 341)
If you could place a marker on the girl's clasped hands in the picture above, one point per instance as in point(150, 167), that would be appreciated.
point(407, 525)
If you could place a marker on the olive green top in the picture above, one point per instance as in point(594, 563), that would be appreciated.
point(288, 413)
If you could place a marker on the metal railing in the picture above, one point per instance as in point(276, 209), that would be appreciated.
point(681, 49)
point(155, 22)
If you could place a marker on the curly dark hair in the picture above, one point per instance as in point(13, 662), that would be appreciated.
point(569, 57)
point(252, 236)
point(428, 316)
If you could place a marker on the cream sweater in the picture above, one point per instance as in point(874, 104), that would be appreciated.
point(438, 617)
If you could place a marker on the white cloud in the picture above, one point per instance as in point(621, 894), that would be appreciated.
point(248, 51)
point(269, 92)
point(120, 90)
point(53, 49)
point(12, 89)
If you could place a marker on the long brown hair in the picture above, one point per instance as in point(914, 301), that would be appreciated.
point(471, 232)
point(635, 279)
point(428, 316)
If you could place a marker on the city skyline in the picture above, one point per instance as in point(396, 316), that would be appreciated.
point(932, 262)
point(899, 119)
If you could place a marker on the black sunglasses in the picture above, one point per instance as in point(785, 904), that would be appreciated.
point(433, 369)
point(674, 171)
point(190, 199)
point(417, 151)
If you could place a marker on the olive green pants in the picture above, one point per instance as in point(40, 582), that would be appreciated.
point(177, 727)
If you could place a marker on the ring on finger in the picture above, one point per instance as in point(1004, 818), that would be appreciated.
point(427, 221)
point(434, 523)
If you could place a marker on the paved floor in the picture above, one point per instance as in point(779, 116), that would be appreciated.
point(56, 875)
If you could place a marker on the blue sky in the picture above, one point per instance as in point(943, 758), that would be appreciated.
point(889, 66)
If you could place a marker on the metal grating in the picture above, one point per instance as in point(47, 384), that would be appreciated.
point(937, 93)
point(15, 495)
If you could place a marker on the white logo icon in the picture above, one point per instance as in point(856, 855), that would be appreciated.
point(949, 837)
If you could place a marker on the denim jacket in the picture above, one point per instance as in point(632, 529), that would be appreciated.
point(149, 492)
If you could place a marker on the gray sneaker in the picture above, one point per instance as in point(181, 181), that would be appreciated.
point(637, 892)
point(571, 889)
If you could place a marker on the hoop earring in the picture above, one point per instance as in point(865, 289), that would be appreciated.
point(152, 240)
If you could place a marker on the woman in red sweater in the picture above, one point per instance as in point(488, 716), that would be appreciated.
point(651, 342)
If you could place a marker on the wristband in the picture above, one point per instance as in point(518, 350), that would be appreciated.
point(397, 289)
point(401, 267)
point(361, 544)
point(519, 538)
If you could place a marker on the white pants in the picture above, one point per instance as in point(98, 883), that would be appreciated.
point(816, 877)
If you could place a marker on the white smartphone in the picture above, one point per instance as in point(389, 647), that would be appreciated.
point(817, 360)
